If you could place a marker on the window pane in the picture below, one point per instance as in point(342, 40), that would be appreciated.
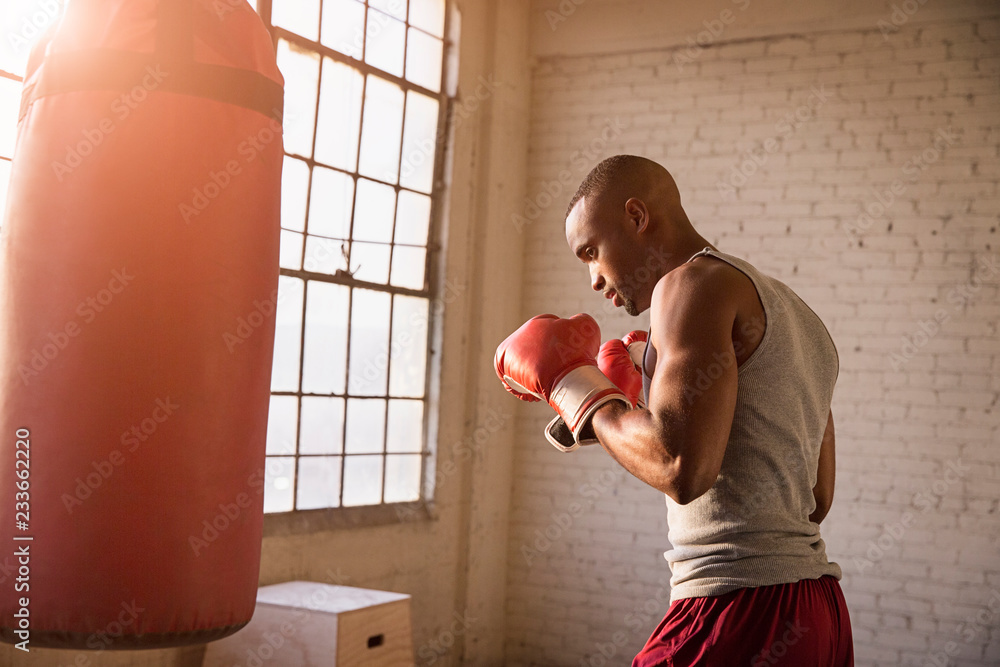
point(10, 102)
point(279, 475)
point(290, 256)
point(322, 425)
point(406, 426)
point(339, 115)
point(419, 137)
point(373, 212)
point(408, 267)
point(428, 15)
point(330, 204)
point(409, 346)
point(381, 133)
point(385, 42)
point(319, 482)
point(325, 255)
point(362, 480)
point(365, 425)
point(287, 335)
point(402, 478)
point(301, 72)
point(413, 216)
point(282, 418)
point(343, 26)
point(395, 8)
point(326, 338)
point(298, 16)
point(370, 262)
point(23, 24)
point(423, 60)
point(369, 342)
point(294, 194)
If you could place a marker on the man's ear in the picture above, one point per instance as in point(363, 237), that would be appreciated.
point(637, 214)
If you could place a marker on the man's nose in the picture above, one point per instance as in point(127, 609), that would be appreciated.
point(596, 280)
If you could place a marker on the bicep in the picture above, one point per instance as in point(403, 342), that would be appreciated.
point(692, 395)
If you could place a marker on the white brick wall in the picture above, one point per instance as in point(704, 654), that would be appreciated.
point(587, 581)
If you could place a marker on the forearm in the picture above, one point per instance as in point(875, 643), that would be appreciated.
point(819, 514)
point(634, 439)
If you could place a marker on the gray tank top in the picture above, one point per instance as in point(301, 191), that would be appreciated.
point(752, 527)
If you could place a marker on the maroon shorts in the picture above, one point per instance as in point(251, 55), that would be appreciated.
point(802, 623)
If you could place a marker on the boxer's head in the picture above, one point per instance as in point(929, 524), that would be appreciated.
point(625, 222)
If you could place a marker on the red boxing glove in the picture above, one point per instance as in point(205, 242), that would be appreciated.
point(553, 359)
point(615, 362)
point(635, 341)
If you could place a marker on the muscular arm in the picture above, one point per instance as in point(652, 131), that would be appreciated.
point(676, 445)
point(825, 475)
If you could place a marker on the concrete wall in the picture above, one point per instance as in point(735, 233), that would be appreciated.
point(859, 164)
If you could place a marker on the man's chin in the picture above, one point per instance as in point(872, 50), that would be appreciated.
point(631, 308)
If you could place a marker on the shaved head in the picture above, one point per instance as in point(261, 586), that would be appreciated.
point(617, 179)
point(626, 223)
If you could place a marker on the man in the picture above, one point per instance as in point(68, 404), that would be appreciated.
point(737, 432)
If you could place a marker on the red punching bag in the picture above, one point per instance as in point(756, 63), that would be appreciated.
point(138, 279)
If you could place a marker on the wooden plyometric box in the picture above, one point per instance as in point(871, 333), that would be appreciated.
point(309, 624)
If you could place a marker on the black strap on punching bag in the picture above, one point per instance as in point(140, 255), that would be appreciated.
point(171, 67)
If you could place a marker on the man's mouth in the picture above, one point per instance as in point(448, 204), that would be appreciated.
point(614, 298)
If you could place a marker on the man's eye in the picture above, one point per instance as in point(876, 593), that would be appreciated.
point(591, 253)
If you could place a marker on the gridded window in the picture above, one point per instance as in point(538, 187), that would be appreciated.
point(363, 110)
point(21, 29)
point(10, 97)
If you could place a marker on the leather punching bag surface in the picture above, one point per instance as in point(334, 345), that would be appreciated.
point(138, 277)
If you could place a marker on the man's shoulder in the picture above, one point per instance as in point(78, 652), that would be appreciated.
point(703, 278)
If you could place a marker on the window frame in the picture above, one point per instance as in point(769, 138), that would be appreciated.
point(299, 521)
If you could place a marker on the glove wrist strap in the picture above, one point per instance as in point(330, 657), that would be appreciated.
point(575, 398)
